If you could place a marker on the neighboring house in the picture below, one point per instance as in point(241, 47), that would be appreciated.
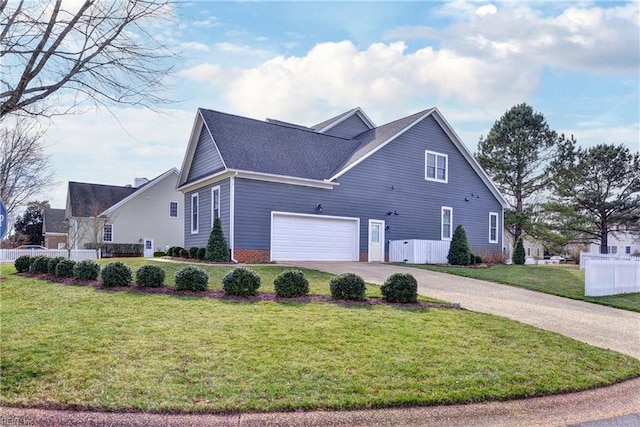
point(148, 213)
point(339, 190)
point(54, 229)
point(620, 241)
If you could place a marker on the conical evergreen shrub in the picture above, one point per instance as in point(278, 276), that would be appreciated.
point(518, 253)
point(459, 253)
point(217, 248)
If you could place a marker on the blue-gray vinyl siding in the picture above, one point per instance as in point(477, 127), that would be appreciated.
point(390, 180)
point(204, 221)
point(348, 128)
point(206, 159)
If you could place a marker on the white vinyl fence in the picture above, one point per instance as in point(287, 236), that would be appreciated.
point(10, 255)
point(585, 256)
point(611, 277)
point(415, 251)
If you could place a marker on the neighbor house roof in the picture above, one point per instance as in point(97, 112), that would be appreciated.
point(89, 200)
point(54, 221)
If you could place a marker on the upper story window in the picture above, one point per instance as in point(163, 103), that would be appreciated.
point(436, 166)
point(215, 203)
point(107, 233)
point(194, 213)
point(173, 209)
point(447, 223)
point(493, 227)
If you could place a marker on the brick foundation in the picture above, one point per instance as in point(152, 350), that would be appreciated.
point(252, 255)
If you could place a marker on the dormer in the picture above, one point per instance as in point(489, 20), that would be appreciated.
point(346, 125)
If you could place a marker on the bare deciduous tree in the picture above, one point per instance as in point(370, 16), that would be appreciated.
point(24, 167)
point(105, 51)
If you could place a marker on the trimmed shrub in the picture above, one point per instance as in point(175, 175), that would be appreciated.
point(479, 259)
point(202, 252)
point(22, 263)
point(115, 274)
point(150, 276)
point(347, 286)
point(86, 270)
point(175, 251)
point(241, 282)
point(519, 256)
point(53, 262)
point(183, 253)
point(39, 264)
point(193, 253)
point(191, 279)
point(65, 268)
point(170, 251)
point(159, 254)
point(291, 284)
point(400, 287)
point(459, 253)
point(217, 248)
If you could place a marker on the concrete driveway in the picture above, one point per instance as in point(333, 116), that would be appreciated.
point(598, 325)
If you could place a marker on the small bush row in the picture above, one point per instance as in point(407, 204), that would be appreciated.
point(58, 266)
point(191, 253)
point(398, 288)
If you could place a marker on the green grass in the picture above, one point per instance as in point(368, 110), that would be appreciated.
point(555, 280)
point(77, 347)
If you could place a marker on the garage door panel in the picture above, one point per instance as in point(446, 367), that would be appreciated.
point(313, 238)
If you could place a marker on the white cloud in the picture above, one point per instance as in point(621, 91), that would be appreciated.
point(194, 46)
point(487, 9)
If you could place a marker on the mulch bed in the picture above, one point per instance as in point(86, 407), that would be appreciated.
point(220, 294)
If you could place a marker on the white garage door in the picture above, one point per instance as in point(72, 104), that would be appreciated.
point(296, 237)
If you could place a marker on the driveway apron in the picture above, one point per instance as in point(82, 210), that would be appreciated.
point(602, 326)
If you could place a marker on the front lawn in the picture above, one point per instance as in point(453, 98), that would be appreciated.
point(550, 279)
point(77, 347)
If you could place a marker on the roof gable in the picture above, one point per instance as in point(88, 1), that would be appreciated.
point(271, 148)
point(356, 113)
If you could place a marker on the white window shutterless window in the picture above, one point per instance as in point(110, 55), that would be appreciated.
point(194, 213)
point(446, 223)
point(215, 204)
point(436, 166)
point(173, 209)
point(493, 227)
point(107, 233)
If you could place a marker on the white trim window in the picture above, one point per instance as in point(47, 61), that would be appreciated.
point(173, 209)
point(436, 166)
point(446, 223)
point(194, 213)
point(493, 227)
point(107, 233)
point(215, 203)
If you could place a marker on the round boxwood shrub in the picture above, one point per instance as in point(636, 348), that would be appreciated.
point(39, 264)
point(347, 286)
point(176, 251)
point(291, 284)
point(202, 252)
point(184, 253)
point(150, 276)
point(193, 253)
point(400, 287)
point(191, 279)
point(86, 270)
point(241, 282)
point(65, 268)
point(116, 274)
point(53, 262)
point(22, 263)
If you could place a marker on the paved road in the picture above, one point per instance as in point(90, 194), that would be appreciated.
point(598, 325)
point(617, 405)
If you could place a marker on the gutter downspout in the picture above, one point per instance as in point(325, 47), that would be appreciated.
point(232, 202)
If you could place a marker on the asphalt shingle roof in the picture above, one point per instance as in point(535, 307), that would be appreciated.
point(54, 220)
point(268, 147)
point(93, 199)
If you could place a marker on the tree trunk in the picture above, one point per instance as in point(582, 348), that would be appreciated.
point(604, 234)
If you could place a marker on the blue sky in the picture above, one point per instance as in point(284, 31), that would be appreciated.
point(576, 62)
